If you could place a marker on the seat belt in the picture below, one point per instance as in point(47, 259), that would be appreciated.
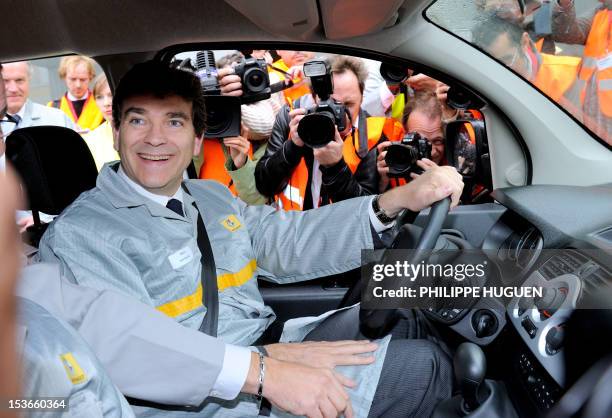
point(210, 296)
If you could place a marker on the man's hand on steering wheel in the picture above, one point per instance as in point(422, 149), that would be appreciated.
point(433, 185)
point(432, 188)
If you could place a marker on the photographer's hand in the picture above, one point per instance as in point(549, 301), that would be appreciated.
point(230, 83)
point(296, 73)
point(381, 166)
point(238, 147)
point(296, 116)
point(330, 154)
point(442, 94)
point(422, 82)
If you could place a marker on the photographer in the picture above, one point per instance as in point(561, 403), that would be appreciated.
point(423, 115)
point(232, 160)
point(302, 177)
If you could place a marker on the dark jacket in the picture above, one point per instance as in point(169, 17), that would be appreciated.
point(274, 169)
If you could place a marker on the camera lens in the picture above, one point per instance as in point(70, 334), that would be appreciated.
point(393, 73)
point(222, 116)
point(216, 121)
point(317, 129)
point(458, 99)
point(400, 159)
point(255, 80)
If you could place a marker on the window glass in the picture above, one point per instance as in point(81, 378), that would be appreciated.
point(562, 47)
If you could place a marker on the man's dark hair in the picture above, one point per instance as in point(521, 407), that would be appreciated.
point(343, 63)
point(159, 80)
point(491, 28)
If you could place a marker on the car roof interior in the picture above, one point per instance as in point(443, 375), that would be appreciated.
point(123, 33)
point(57, 26)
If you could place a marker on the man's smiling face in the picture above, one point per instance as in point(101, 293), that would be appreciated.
point(156, 141)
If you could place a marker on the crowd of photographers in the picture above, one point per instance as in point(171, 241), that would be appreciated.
point(310, 130)
point(303, 131)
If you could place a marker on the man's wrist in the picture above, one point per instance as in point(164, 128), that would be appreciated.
point(388, 203)
point(262, 376)
point(251, 385)
point(380, 213)
point(395, 200)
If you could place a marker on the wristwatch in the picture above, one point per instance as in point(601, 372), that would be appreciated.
point(380, 213)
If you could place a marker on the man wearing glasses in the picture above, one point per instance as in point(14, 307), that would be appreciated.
point(507, 42)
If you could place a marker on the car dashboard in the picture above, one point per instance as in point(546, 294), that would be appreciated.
point(560, 239)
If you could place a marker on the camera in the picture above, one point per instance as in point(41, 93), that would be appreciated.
point(223, 114)
point(253, 73)
point(393, 74)
point(317, 127)
point(460, 98)
point(402, 155)
point(206, 70)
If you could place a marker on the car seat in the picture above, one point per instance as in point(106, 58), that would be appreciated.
point(55, 166)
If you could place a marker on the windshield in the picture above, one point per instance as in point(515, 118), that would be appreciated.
point(562, 47)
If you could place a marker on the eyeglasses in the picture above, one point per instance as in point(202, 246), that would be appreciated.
point(510, 60)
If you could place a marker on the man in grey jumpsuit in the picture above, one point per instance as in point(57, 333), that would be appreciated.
point(123, 235)
point(53, 358)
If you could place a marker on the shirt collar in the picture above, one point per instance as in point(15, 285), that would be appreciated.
point(73, 99)
point(162, 200)
point(21, 112)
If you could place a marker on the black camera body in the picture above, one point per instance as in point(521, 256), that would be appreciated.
point(253, 73)
point(317, 127)
point(402, 155)
point(223, 115)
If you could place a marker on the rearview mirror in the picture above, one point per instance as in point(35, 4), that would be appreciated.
point(467, 150)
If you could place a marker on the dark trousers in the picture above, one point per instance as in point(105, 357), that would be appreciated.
point(417, 372)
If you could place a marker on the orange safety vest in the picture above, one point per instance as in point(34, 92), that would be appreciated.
point(292, 197)
point(213, 167)
point(300, 85)
point(90, 118)
point(556, 74)
point(597, 59)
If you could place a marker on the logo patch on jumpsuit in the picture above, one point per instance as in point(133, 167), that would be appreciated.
point(231, 223)
point(73, 370)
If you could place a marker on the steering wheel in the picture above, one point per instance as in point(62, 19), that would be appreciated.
point(376, 323)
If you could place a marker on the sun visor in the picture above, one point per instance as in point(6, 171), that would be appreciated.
point(349, 18)
point(294, 19)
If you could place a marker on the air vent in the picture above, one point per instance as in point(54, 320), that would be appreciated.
point(527, 248)
point(595, 279)
point(522, 247)
point(564, 263)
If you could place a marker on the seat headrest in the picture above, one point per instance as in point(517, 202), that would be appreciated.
point(55, 165)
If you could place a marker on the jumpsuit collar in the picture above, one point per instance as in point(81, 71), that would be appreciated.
point(122, 192)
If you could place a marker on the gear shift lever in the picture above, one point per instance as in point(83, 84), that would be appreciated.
point(478, 398)
point(470, 367)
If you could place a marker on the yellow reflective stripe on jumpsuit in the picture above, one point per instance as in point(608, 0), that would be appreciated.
point(193, 301)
